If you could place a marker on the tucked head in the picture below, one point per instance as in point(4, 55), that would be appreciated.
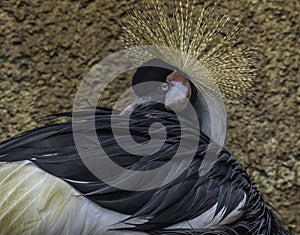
point(161, 82)
point(158, 81)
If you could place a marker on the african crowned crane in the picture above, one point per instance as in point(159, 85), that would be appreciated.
point(46, 188)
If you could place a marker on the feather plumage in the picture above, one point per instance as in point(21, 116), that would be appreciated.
point(47, 188)
point(171, 209)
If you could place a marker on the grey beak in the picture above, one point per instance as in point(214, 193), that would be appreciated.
point(138, 101)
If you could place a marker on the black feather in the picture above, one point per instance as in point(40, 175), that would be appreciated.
point(52, 148)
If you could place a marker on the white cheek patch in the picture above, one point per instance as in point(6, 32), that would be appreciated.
point(176, 97)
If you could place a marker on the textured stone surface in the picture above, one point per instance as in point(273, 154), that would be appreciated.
point(47, 47)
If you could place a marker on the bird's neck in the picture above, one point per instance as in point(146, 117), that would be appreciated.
point(211, 115)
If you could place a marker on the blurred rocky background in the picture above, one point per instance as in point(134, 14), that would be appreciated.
point(47, 47)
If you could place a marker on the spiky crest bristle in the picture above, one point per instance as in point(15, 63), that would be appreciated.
point(203, 36)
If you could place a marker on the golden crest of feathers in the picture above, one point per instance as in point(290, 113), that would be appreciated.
point(201, 36)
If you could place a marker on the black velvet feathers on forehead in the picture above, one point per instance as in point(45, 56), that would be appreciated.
point(154, 70)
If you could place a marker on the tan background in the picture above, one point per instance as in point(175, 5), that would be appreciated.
point(47, 47)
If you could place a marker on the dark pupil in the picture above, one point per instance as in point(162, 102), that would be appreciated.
point(164, 87)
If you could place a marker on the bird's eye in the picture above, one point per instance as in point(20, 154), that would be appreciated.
point(164, 87)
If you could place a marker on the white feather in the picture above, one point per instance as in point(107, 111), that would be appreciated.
point(207, 219)
point(35, 202)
